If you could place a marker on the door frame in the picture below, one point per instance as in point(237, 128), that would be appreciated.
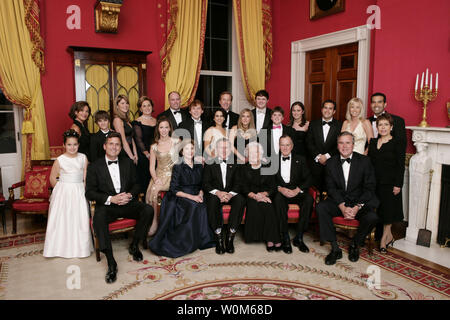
point(299, 48)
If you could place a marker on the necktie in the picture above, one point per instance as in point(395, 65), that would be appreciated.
point(347, 159)
point(285, 158)
point(325, 122)
point(277, 127)
point(111, 162)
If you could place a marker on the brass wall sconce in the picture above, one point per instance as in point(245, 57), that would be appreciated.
point(107, 15)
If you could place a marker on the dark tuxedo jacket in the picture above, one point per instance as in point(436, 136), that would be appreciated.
point(398, 130)
point(314, 138)
point(209, 114)
point(96, 146)
point(188, 125)
point(168, 114)
point(267, 119)
point(300, 175)
point(286, 130)
point(99, 185)
point(212, 178)
point(361, 181)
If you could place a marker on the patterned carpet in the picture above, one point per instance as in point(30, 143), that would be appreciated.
point(250, 273)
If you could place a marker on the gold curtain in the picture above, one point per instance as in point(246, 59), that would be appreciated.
point(254, 33)
point(183, 54)
point(97, 92)
point(20, 77)
point(128, 84)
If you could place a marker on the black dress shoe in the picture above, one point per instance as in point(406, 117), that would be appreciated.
point(220, 246)
point(270, 249)
point(287, 248)
point(135, 252)
point(332, 257)
point(277, 249)
point(301, 245)
point(229, 242)
point(111, 274)
point(353, 253)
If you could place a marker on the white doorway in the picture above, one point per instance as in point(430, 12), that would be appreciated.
point(10, 144)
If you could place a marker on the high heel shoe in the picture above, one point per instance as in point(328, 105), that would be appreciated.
point(384, 250)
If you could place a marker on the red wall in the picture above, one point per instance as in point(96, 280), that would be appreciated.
point(137, 31)
point(411, 38)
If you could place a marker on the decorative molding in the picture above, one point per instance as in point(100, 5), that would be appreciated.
point(299, 48)
point(107, 15)
point(407, 158)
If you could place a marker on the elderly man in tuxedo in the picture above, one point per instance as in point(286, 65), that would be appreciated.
point(321, 142)
point(175, 113)
point(111, 183)
point(221, 186)
point(293, 181)
point(350, 180)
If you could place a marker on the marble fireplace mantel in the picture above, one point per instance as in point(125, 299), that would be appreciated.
point(433, 150)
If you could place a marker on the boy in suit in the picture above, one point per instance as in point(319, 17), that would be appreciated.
point(195, 127)
point(102, 120)
point(278, 130)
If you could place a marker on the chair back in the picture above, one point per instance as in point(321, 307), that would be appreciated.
point(37, 180)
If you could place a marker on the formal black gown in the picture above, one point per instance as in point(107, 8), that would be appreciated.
point(144, 137)
point(261, 222)
point(183, 225)
point(240, 147)
point(299, 138)
point(84, 140)
point(389, 164)
point(129, 136)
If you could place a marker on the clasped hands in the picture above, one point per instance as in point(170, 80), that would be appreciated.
point(349, 213)
point(288, 193)
point(260, 197)
point(224, 196)
point(122, 198)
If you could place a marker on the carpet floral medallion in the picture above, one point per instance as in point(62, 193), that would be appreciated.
point(250, 273)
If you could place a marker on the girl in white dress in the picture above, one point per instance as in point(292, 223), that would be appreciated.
point(68, 234)
point(359, 127)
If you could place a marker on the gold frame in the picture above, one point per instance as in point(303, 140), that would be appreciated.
point(315, 12)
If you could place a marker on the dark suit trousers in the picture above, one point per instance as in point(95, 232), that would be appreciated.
point(303, 200)
point(215, 211)
point(104, 215)
point(327, 209)
point(318, 175)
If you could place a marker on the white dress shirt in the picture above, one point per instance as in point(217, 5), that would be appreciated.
point(346, 169)
point(198, 131)
point(374, 126)
point(260, 116)
point(286, 168)
point(276, 134)
point(177, 116)
point(325, 130)
point(223, 169)
point(114, 172)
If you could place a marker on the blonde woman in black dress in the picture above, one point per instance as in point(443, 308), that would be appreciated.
point(388, 159)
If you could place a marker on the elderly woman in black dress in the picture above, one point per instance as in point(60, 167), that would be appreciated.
point(388, 159)
point(261, 222)
point(80, 112)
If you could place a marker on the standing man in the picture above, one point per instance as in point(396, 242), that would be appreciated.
point(263, 122)
point(175, 113)
point(196, 127)
point(231, 118)
point(221, 186)
point(111, 183)
point(321, 141)
point(351, 184)
point(293, 182)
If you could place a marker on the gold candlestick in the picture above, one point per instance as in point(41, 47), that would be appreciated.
point(425, 95)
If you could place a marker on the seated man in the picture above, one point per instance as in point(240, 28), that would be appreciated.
point(220, 185)
point(293, 181)
point(350, 180)
point(111, 183)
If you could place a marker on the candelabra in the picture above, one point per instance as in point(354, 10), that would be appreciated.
point(426, 94)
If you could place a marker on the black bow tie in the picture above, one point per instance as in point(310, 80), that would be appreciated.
point(111, 162)
point(285, 158)
point(175, 112)
point(347, 159)
point(197, 121)
point(223, 161)
point(325, 122)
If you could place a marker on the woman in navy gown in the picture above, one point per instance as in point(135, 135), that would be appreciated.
point(183, 226)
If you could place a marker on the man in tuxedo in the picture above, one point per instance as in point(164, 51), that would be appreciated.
point(278, 130)
point(195, 127)
point(321, 142)
point(220, 184)
point(293, 181)
point(350, 180)
point(231, 118)
point(175, 113)
point(378, 105)
point(262, 115)
point(111, 183)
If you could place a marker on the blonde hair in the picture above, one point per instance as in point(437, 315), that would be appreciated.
point(352, 102)
point(119, 113)
point(251, 125)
